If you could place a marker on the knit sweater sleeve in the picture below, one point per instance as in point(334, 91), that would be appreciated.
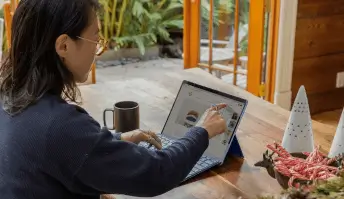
point(99, 164)
point(117, 136)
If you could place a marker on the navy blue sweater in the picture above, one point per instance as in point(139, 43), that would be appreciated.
point(56, 150)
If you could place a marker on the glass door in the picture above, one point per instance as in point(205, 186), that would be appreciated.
point(232, 40)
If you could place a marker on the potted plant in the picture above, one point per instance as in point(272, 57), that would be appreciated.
point(134, 27)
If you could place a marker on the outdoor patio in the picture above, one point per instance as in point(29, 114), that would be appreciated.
point(106, 71)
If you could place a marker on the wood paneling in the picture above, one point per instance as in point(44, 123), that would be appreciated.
point(317, 74)
point(319, 53)
point(325, 101)
point(316, 8)
point(329, 117)
point(319, 36)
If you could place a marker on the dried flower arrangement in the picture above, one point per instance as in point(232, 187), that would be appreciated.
point(309, 174)
point(296, 170)
point(332, 188)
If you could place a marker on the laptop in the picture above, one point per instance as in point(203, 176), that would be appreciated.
point(191, 102)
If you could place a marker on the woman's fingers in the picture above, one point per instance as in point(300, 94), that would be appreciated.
point(152, 140)
point(107, 196)
point(221, 106)
point(155, 136)
point(218, 106)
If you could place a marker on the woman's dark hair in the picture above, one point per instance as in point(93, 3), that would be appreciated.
point(33, 67)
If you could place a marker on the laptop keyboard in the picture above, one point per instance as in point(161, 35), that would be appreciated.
point(203, 164)
point(164, 141)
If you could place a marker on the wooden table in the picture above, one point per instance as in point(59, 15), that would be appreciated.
point(263, 123)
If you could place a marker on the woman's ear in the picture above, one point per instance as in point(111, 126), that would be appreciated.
point(61, 45)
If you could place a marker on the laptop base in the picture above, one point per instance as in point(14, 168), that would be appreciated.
point(205, 163)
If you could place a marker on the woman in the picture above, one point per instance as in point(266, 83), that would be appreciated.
point(52, 149)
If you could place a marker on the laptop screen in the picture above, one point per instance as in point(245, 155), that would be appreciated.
point(191, 102)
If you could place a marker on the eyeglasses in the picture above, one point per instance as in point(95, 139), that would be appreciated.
point(101, 45)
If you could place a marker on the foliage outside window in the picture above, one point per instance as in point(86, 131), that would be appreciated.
point(4, 39)
point(139, 23)
point(227, 8)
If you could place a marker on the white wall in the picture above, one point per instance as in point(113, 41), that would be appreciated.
point(285, 53)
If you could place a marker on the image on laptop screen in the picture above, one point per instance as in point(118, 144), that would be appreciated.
point(190, 105)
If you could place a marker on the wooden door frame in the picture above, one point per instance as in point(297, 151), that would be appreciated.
point(272, 50)
point(255, 49)
point(191, 13)
point(285, 55)
point(284, 51)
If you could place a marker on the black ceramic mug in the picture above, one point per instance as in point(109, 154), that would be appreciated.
point(126, 116)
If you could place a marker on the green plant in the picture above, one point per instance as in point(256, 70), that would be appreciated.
point(219, 7)
point(224, 7)
point(327, 189)
point(4, 41)
point(139, 23)
point(4, 38)
point(227, 8)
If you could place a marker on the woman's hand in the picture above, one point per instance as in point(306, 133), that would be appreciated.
point(107, 196)
point(212, 121)
point(138, 136)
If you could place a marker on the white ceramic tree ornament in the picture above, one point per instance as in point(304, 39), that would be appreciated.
point(298, 135)
point(337, 147)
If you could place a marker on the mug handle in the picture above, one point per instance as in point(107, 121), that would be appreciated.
point(104, 117)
